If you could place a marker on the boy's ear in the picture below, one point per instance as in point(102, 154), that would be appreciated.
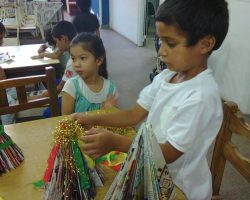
point(100, 60)
point(207, 44)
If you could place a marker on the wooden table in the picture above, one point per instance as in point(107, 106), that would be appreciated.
point(35, 140)
point(22, 64)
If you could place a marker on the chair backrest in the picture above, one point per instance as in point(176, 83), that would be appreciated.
point(23, 102)
point(225, 150)
point(24, 18)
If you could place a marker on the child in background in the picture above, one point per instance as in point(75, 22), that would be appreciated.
point(90, 89)
point(86, 21)
point(63, 32)
point(183, 102)
point(56, 54)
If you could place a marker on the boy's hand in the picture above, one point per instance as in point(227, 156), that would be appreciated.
point(97, 142)
point(81, 118)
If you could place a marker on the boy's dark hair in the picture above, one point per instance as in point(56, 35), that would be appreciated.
point(196, 18)
point(2, 28)
point(86, 22)
point(49, 38)
point(64, 28)
point(84, 5)
point(94, 45)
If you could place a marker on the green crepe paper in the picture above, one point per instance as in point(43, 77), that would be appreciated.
point(1, 130)
point(6, 143)
point(112, 157)
point(100, 159)
point(39, 184)
point(84, 179)
point(104, 158)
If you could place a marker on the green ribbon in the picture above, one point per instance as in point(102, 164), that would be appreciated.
point(84, 179)
point(6, 143)
point(104, 158)
point(1, 130)
point(39, 184)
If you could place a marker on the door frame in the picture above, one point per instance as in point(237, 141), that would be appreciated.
point(141, 37)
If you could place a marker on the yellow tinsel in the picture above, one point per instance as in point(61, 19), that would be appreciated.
point(69, 130)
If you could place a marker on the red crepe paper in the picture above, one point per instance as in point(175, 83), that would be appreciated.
point(117, 167)
point(51, 160)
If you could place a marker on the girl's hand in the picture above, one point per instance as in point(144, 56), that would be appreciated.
point(110, 102)
point(97, 142)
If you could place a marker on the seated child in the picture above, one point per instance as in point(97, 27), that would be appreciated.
point(90, 89)
point(86, 21)
point(183, 102)
point(56, 54)
point(63, 32)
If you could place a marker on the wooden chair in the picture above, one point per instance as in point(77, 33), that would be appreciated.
point(11, 22)
point(22, 21)
point(23, 102)
point(233, 123)
point(26, 22)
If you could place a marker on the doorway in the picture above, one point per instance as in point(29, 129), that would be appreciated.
point(150, 31)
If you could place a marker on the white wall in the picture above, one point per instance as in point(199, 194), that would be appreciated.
point(125, 18)
point(231, 63)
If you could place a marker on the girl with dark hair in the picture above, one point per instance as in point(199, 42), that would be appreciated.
point(90, 89)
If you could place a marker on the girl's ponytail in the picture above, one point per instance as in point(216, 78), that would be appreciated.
point(103, 69)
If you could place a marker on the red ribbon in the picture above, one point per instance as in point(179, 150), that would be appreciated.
point(50, 162)
point(115, 167)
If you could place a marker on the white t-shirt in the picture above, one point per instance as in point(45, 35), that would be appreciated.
point(69, 71)
point(91, 96)
point(188, 115)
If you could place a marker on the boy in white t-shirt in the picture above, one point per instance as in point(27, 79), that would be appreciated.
point(183, 103)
